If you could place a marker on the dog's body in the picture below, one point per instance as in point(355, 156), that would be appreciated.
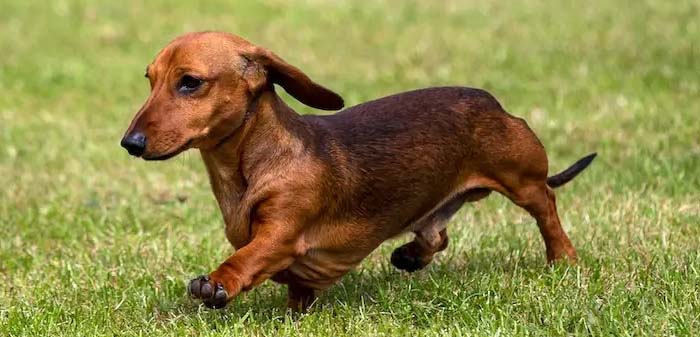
point(306, 198)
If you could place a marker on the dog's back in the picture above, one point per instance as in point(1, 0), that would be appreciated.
point(404, 154)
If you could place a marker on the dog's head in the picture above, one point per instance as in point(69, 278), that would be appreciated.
point(202, 86)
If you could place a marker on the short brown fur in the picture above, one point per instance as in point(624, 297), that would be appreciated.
point(306, 198)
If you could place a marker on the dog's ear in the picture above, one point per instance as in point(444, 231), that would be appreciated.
point(294, 81)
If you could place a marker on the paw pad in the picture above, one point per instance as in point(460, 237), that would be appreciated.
point(212, 294)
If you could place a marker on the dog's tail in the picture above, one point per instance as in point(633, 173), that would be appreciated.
point(565, 176)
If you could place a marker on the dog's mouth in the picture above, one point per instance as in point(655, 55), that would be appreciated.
point(169, 154)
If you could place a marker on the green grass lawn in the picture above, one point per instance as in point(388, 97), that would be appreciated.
point(94, 242)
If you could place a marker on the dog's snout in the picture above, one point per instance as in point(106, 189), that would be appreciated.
point(135, 143)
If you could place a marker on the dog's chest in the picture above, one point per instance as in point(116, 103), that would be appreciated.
point(229, 189)
point(332, 250)
point(319, 269)
point(235, 214)
point(237, 226)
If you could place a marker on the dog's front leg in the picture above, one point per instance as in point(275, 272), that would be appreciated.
point(273, 249)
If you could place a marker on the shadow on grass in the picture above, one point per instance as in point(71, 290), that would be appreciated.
point(378, 288)
point(385, 284)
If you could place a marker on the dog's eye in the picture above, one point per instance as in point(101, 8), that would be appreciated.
point(189, 84)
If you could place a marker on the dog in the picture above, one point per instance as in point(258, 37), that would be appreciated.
point(306, 198)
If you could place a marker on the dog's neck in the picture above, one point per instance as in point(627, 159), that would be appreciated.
point(271, 131)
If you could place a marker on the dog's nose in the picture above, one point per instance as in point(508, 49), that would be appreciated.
point(135, 143)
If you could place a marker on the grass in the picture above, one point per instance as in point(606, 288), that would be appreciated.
point(96, 243)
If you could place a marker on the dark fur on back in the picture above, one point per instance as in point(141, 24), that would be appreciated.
point(431, 133)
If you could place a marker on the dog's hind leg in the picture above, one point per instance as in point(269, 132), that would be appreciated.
point(538, 200)
point(418, 253)
point(431, 233)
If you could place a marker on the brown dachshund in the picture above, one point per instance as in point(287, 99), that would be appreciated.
point(306, 198)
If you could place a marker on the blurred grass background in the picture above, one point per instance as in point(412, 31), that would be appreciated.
point(94, 242)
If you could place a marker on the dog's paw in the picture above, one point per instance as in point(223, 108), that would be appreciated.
point(403, 258)
point(212, 294)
